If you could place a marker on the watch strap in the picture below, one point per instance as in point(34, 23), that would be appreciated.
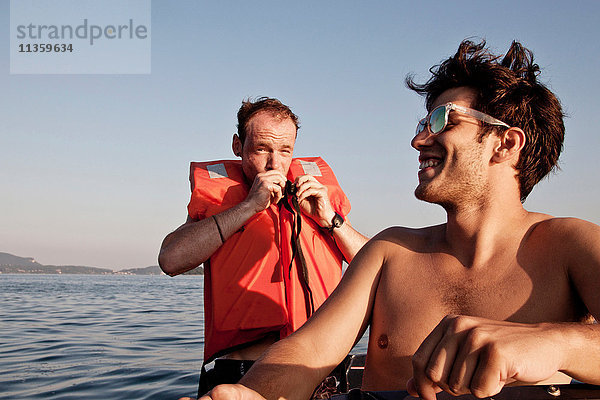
point(336, 222)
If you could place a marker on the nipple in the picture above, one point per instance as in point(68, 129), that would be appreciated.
point(382, 342)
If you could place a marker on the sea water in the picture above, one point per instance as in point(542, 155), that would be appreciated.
point(101, 336)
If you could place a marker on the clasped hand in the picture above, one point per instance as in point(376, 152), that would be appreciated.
point(269, 188)
point(479, 356)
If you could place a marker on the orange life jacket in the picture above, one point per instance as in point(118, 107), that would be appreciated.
point(251, 283)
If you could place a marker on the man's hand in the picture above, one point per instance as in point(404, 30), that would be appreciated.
point(479, 356)
point(314, 200)
point(267, 188)
point(229, 392)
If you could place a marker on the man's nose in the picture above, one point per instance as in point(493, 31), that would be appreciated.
point(273, 162)
point(422, 139)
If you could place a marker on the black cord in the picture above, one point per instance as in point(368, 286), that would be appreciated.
point(219, 229)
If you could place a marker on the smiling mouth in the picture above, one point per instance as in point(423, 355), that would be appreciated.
point(432, 162)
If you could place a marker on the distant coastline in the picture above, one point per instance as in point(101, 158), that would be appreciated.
point(11, 264)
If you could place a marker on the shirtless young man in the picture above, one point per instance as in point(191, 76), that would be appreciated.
point(495, 295)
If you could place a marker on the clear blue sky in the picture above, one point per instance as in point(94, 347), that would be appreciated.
point(94, 168)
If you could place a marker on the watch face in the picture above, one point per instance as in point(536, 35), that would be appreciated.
point(337, 220)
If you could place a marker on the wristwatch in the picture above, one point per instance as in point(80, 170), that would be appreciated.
point(336, 222)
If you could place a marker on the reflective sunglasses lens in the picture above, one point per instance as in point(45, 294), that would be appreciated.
point(437, 120)
point(421, 126)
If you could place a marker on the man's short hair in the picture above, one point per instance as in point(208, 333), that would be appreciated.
point(508, 90)
point(250, 108)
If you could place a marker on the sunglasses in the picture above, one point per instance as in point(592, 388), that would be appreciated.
point(438, 118)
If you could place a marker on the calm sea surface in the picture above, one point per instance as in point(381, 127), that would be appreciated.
point(101, 337)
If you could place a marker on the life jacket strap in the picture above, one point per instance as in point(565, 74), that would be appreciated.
point(297, 252)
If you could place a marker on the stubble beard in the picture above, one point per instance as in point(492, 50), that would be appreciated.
point(460, 185)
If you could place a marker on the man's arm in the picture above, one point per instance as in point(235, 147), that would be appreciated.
point(479, 356)
point(294, 366)
point(583, 362)
point(195, 241)
point(348, 240)
point(314, 201)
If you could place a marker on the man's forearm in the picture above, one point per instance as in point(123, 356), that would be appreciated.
point(195, 242)
point(349, 240)
point(282, 373)
point(582, 351)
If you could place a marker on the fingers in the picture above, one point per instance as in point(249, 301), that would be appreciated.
point(314, 200)
point(274, 181)
point(425, 391)
point(232, 392)
point(276, 192)
point(467, 361)
point(267, 188)
point(490, 376)
point(441, 362)
point(432, 362)
point(460, 356)
point(464, 366)
point(307, 186)
point(411, 388)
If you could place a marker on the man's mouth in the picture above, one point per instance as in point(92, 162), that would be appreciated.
point(432, 162)
point(429, 162)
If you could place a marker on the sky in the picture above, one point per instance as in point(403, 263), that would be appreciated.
point(94, 167)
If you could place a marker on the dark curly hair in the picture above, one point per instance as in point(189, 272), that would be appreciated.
point(506, 89)
point(249, 108)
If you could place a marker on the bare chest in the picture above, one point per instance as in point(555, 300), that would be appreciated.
point(410, 303)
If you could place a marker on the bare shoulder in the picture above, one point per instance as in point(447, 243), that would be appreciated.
point(398, 240)
point(392, 243)
point(404, 235)
point(576, 244)
point(573, 242)
point(568, 231)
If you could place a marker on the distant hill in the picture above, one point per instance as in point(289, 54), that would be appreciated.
point(153, 270)
point(195, 271)
point(11, 260)
point(11, 264)
point(55, 269)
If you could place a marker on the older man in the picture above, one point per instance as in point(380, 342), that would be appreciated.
point(270, 259)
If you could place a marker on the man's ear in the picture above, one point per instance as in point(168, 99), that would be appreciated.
point(236, 145)
point(509, 146)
